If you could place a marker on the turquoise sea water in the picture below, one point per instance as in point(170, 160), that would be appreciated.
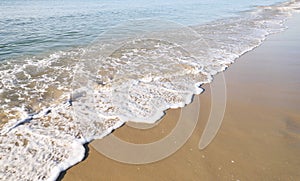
point(37, 26)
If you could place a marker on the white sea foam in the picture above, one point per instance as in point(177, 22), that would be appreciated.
point(52, 105)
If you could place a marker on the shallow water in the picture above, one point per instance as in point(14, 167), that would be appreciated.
point(30, 27)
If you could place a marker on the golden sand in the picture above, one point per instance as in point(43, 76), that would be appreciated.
point(259, 138)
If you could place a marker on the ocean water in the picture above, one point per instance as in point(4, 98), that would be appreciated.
point(36, 26)
point(73, 71)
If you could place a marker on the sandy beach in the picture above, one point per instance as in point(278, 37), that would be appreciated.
point(260, 134)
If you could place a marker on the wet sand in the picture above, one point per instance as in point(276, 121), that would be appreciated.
point(260, 134)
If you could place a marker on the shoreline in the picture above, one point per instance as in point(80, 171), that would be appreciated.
point(59, 140)
point(121, 132)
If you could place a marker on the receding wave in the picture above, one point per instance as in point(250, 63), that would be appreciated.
point(52, 104)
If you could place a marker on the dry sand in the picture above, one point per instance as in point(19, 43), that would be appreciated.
point(260, 135)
